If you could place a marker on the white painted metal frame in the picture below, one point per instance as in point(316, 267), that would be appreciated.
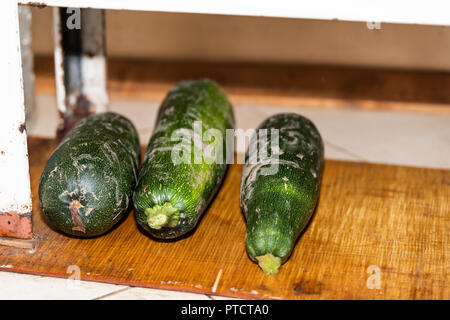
point(15, 195)
point(435, 12)
point(80, 66)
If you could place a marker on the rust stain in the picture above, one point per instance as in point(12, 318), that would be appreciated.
point(263, 287)
point(22, 127)
point(308, 287)
point(16, 225)
point(39, 5)
point(82, 108)
point(90, 53)
point(76, 218)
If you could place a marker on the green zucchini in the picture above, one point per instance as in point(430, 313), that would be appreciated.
point(172, 195)
point(278, 204)
point(87, 183)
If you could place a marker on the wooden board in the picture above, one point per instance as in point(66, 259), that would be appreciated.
point(392, 218)
point(275, 84)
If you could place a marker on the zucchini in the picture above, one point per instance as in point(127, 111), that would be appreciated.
point(171, 195)
point(278, 206)
point(87, 183)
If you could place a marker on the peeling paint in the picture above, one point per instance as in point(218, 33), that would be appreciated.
point(22, 127)
point(39, 5)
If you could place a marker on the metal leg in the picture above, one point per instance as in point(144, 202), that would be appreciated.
point(15, 195)
point(80, 67)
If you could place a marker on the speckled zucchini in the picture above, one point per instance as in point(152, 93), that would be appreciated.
point(278, 206)
point(87, 184)
point(172, 195)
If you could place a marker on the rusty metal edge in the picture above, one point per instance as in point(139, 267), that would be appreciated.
point(16, 225)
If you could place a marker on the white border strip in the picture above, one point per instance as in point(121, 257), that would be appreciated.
point(434, 12)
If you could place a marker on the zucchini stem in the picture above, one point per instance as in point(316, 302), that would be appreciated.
point(162, 216)
point(269, 263)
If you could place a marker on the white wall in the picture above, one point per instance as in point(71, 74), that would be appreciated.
point(231, 38)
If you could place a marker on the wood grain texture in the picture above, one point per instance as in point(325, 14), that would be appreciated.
point(396, 218)
point(270, 84)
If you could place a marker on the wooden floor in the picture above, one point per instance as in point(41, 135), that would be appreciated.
point(370, 217)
